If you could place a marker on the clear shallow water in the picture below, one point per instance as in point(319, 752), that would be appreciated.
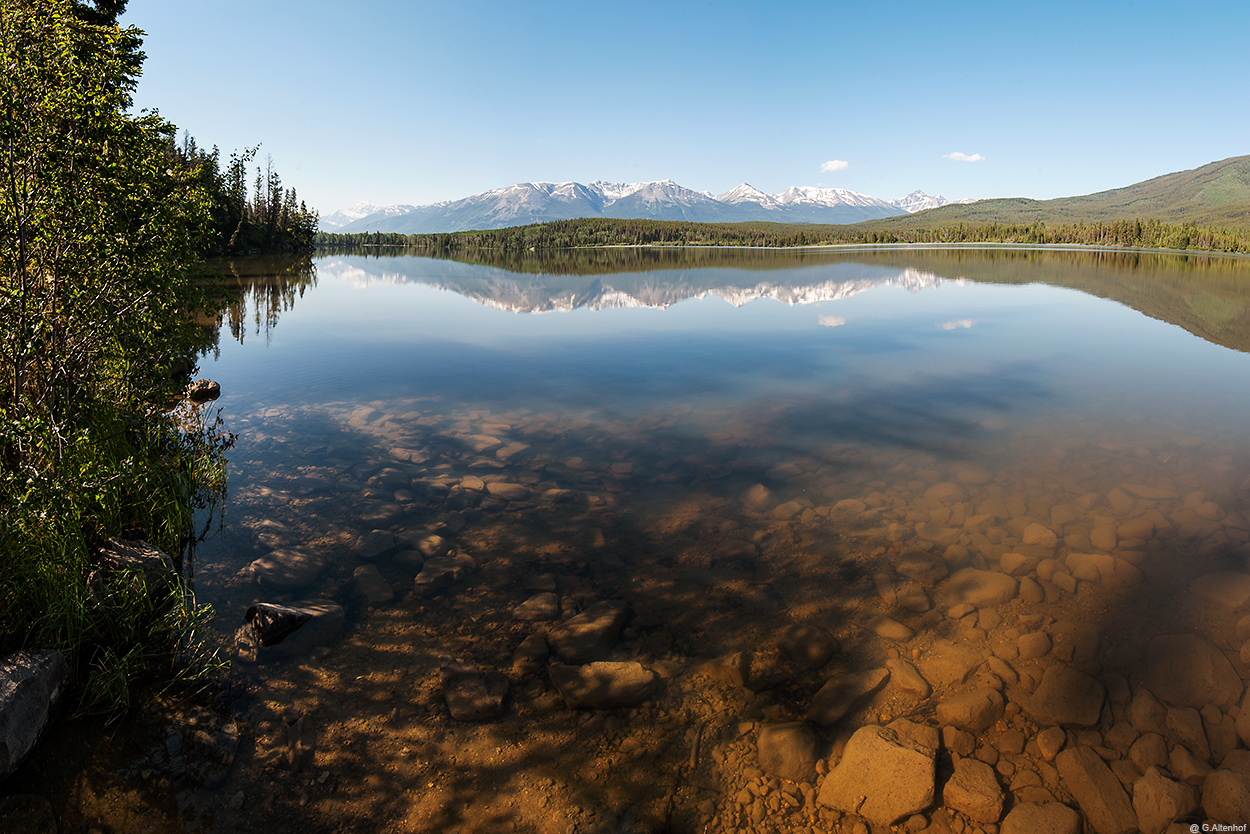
point(732, 450)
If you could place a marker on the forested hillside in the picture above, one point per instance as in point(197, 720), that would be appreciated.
point(604, 232)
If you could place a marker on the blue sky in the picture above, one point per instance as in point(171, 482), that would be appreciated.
point(399, 101)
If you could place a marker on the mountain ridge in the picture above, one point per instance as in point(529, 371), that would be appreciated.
point(538, 202)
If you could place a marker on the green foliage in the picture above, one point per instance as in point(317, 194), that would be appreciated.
point(99, 229)
point(269, 220)
point(591, 232)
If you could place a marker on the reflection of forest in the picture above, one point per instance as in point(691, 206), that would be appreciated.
point(254, 291)
point(1207, 295)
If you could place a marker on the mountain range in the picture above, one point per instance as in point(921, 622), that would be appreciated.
point(539, 202)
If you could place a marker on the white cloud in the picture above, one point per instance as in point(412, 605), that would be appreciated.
point(831, 321)
point(959, 324)
point(964, 157)
point(834, 165)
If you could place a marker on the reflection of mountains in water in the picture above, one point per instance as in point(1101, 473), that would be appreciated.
point(1207, 295)
point(539, 293)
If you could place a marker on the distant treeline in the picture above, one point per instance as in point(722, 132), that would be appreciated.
point(270, 219)
point(567, 234)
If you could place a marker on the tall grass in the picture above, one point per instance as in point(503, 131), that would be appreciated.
point(62, 500)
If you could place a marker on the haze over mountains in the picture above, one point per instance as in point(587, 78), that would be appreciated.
point(539, 202)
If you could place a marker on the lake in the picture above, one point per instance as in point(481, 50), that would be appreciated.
point(776, 497)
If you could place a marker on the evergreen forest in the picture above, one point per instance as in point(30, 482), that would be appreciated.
point(568, 234)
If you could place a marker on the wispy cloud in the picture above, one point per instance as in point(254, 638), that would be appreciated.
point(958, 324)
point(964, 157)
point(834, 165)
point(831, 321)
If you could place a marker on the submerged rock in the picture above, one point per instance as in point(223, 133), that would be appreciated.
point(440, 572)
point(291, 630)
point(885, 774)
point(1045, 818)
point(981, 588)
point(974, 790)
point(590, 634)
point(604, 684)
point(1065, 697)
point(788, 751)
point(842, 693)
point(287, 570)
point(472, 694)
point(1096, 789)
point(1186, 670)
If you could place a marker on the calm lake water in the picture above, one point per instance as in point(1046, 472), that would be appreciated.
point(771, 463)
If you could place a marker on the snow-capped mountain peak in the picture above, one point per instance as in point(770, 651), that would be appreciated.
point(540, 202)
point(920, 201)
point(746, 193)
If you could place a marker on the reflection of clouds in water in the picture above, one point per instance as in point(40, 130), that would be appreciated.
point(357, 277)
point(831, 321)
point(958, 324)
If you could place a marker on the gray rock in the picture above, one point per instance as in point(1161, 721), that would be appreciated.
point(1046, 818)
point(1158, 801)
point(591, 634)
point(1187, 671)
point(1097, 791)
point(203, 390)
point(604, 684)
point(472, 694)
point(372, 586)
point(123, 558)
point(883, 776)
point(982, 588)
point(31, 683)
point(808, 645)
point(1065, 697)
point(293, 629)
point(788, 751)
point(842, 693)
point(538, 608)
point(273, 623)
point(974, 790)
point(974, 711)
point(1226, 797)
point(442, 572)
point(287, 570)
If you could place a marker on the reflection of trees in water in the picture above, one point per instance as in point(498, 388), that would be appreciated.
point(256, 291)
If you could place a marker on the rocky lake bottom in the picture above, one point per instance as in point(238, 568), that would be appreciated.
point(707, 617)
